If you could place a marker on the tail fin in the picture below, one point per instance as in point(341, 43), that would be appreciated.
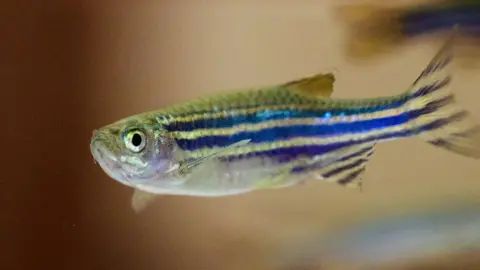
point(372, 29)
point(435, 115)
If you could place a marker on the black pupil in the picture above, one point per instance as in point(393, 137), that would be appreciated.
point(136, 139)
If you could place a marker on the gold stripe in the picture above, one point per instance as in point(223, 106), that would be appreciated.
point(448, 110)
point(225, 113)
point(325, 104)
point(195, 134)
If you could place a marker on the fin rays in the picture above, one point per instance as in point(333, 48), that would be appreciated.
point(455, 128)
point(347, 169)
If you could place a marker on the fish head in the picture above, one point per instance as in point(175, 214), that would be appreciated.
point(134, 152)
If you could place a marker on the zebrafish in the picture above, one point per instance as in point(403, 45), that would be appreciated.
point(374, 30)
point(278, 136)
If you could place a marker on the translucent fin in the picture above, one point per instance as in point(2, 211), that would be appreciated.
point(319, 85)
point(273, 182)
point(187, 166)
point(301, 169)
point(371, 29)
point(435, 115)
point(349, 169)
point(344, 167)
point(141, 200)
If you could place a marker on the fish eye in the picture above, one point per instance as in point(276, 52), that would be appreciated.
point(135, 141)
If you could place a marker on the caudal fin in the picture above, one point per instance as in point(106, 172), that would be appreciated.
point(372, 29)
point(434, 113)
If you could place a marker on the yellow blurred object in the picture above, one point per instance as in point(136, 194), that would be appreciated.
point(374, 29)
point(371, 29)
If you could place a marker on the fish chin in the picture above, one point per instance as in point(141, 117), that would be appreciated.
point(109, 163)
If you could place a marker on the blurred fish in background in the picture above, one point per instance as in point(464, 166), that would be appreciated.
point(375, 29)
point(420, 240)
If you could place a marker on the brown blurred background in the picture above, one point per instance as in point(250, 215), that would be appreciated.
point(71, 66)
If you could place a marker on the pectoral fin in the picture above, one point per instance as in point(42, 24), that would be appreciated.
point(186, 166)
point(141, 200)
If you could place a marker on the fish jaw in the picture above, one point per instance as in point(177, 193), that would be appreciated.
point(107, 160)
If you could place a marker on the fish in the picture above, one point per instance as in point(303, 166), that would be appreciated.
point(373, 30)
point(389, 240)
point(319, 85)
point(279, 136)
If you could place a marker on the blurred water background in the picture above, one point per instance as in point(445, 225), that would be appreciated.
point(71, 66)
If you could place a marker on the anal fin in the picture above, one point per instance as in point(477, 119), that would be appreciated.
point(349, 169)
point(299, 170)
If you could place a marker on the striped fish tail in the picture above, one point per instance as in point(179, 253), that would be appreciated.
point(434, 114)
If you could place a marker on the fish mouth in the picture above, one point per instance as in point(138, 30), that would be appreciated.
point(107, 161)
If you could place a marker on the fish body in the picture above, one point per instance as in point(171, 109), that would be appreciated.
point(279, 136)
point(375, 29)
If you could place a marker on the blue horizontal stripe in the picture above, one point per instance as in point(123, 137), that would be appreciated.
point(321, 130)
point(282, 133)
point(290, 153)
point(268, 115)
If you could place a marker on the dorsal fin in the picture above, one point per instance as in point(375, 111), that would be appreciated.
point(319, 85)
